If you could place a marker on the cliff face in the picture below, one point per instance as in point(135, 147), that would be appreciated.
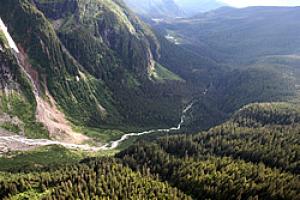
point(94, 59)
point(6, 79)
point(98, 33)
point(17, 101)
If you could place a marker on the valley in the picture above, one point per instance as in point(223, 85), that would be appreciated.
point(11, 143)
point(152, 99)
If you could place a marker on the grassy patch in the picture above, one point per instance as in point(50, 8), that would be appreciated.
point(32, 194)
point(100, 135)
point(36, 130)
point(10, 127)
point(16, 105)
point(38, 158)
point(3, 40)
point(161, 73)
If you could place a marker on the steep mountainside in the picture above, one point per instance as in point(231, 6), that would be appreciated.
point(95, 64)
point(96, 105)
point(218, 90)
point(18, 105)
point(257, 49)
point(95, 61)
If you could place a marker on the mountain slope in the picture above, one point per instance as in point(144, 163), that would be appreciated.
point(92, 178)
point(77, 53)
point(253, 155)
point(241, 34)
point(193, 7)
point(155, 8)
point(164, 9)
point(250, 56)
point(94, 65)
point(77, 66)
point(18, 104)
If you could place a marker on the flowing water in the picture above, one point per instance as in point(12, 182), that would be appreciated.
point(17, 142)
point(10, 142)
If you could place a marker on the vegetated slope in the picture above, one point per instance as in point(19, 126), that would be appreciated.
point(17, 101)
point(198, 71)
point(39, 158)
point(155, 8)
point(168, 9)
point(253, 155)
point(239, 36)
point(96, 59)
point(250, 56)
point(218, 90)
point(105, 68)
point(91, 179)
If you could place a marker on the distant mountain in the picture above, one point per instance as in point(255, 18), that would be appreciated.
point(260, 44)
point(192, 7)
point(103, 67)
point(241, 34)
point(155, 8)
point(92, 73)
point(172, 8)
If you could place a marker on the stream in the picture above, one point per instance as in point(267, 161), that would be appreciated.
point(17, 142)
point(10, 142)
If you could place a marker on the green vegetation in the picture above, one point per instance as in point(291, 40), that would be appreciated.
point(10, 127)
point(236, 56)
point(102, 135)
point(16, 105)
point(213, 177)
point(95, 58)
point(3, 41)
point(240, 36)
point(160, 73)
point(100, 179)
point(254, 155)
point(18, 101)
point(38, 158)
point(91, 74)
point(36, 130)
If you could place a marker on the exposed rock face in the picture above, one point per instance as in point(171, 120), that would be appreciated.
point(6, 79)
point(93, 57)
point(109, 26)
point(6, 76)
point(46, 112)
point(9, 87)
